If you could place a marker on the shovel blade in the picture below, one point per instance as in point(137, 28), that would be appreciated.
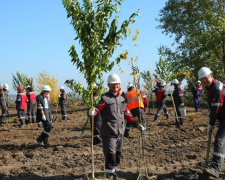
point(203, 177)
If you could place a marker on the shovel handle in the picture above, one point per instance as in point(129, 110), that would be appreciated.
point(208, 149)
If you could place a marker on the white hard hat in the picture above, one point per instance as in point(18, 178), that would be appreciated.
point(95, 86)
point(198, 82)
point(113, 79)
point(46, 88)
point(6, 86)
point(28, 86)
point(129, 86)
point(175, 81)
point(61, 87)
point(203, 72)
point(163, 83)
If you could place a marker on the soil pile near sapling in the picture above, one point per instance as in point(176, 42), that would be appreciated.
point(171, 153)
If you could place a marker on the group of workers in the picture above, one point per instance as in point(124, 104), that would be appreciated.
point(27, 102)
point(116, 106)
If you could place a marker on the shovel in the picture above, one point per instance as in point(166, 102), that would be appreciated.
point(204, 176)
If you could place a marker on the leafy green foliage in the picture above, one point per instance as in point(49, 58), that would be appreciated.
point(199, 30)
point(148, 80)
point(165, 67)
point(78, 89)
point(96, 35)
point(21, 79)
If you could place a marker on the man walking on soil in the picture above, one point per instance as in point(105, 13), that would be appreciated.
point(197, 93)
point(113, 109)
point(215, 98)
point(136, 103)
point(31, 97)
point(21, 105)
point(4, 102)
point(44, 114)
point(161, 101)
point(178, 97)
point(63, 102)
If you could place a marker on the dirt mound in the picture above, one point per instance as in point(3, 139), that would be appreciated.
point(170, 153)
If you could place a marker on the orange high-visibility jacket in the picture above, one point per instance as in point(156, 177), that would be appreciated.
point(132, 99)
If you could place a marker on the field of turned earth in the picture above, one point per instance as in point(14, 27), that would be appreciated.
point(170, 152)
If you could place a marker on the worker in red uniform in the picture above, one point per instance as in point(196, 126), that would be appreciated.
point(31, 97)
point(136, 103)
point(197, 92)
point(215, 98)
point(21, 105)
point(161, 101)
point(113, 110)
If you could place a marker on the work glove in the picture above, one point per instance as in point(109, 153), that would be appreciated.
point(141, 128)
point(209, 128)
point(91, 112)
point(44, 118)
point(182, 105)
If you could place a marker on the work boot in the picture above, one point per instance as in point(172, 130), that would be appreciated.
point(97, 140)
point(167, 116)
point(111, 176)
point(177, 123)
point(156, 118)
point(211, 172)
point(126, 135)
point(22, 125)
point(39, 125)
point(39, 140)
point(2, 122)
point(64, 118)
point(181, 121)
point(47, 144)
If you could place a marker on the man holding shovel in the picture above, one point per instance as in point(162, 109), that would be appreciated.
point(178, 97)
point(161, 101)
point(215, 98)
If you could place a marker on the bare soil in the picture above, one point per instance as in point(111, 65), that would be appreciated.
point(170, 152)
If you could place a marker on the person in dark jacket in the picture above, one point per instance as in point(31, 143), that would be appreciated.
point(178, 97)
point(4, 102)
point(113, 109)
point(197, 93)
point(215, 98)
point(63, 102)
point(44, 114)
point(31, 97)
point(157, 86)
point(161, 101)
point(21, 105)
